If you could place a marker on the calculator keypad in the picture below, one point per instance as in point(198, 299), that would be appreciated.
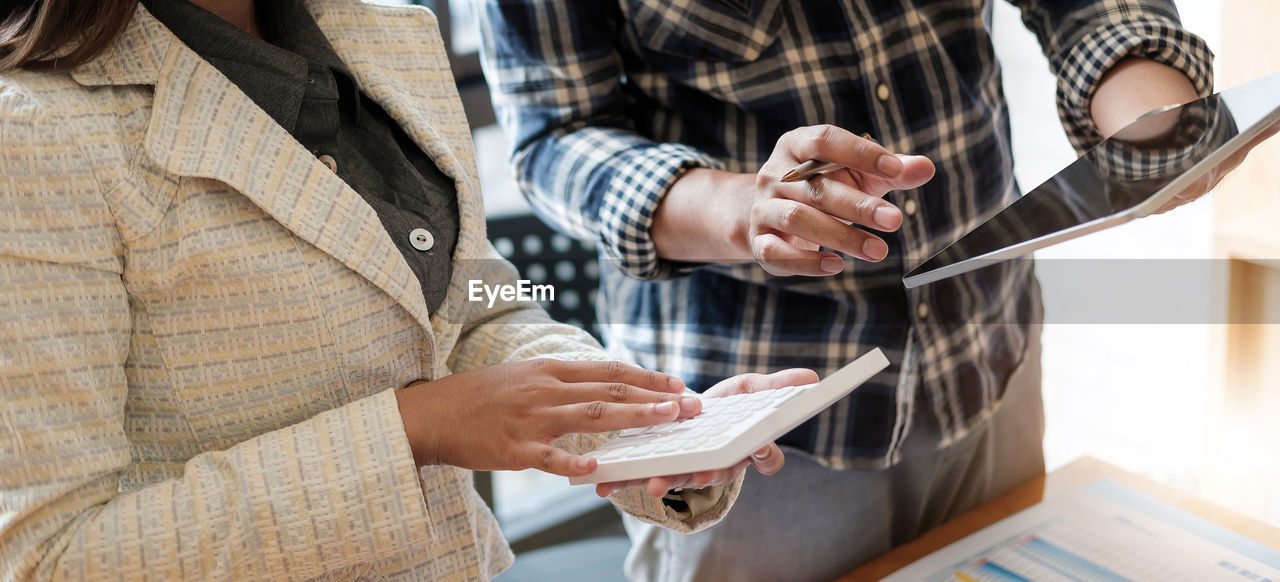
point(721, 420)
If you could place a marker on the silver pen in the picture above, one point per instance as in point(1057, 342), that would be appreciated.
point(814, 168)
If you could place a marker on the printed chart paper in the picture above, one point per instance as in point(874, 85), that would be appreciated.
point(1102, 533)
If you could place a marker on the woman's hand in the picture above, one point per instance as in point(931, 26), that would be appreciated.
point(767, 460)
point(505, 417)
point(723, 217)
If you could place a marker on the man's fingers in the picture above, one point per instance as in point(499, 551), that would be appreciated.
point(808, 223)
point(828, 143)
point(620, 373)
point(782, 259)
point(916, 172)
point(1211, 181)
point(845, 201)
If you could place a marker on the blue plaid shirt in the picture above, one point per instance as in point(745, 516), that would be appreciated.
point(607, 102)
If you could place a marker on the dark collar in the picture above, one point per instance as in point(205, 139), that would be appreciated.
point(273, 72)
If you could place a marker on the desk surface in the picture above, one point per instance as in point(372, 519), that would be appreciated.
point(1073, 476)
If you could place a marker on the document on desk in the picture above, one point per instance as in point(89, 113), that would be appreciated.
point(1104, 532)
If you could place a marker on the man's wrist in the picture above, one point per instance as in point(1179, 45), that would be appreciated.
point(704, 217)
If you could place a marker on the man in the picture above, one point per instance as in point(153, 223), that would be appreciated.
point(661, 131)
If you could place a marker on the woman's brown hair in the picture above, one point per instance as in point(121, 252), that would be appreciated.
point(59, 34)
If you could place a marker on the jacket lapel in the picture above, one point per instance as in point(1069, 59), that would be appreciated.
point(398, 58)
point(203, 126)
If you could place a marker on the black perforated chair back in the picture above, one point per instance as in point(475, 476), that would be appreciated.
point(544, 256)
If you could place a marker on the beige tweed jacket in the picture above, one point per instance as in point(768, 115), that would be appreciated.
point(201, 328)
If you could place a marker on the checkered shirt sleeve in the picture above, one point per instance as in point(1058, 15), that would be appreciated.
point(558, 94)
point(1085, 39)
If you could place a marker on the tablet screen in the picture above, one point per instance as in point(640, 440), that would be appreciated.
point(1115, 178)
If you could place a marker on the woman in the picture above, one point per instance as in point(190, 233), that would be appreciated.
point(235, 249)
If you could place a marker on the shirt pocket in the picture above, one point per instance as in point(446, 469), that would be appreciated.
point(718, 30)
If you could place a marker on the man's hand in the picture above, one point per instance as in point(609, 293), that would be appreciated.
point(505, 417)
point(767, 460)
point(723, 217)
point(1211, 179)
point(1136, 86)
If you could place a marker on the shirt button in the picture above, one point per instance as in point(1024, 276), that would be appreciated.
point(909, 207)
point(922, 310)
point(329, 162)
point(882, 92)
point(421, 239)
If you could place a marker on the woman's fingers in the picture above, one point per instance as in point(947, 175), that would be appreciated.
point(597, 416)
point(619, 373)
point(768, 460)
point(716, 477)
point(620, 393)
point(659, 486)
point(654, 486)
point(607, 489)
point(550, 459)
point(791, 377)
point(748, 383)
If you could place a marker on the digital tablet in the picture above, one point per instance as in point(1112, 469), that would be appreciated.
point(1128, 176)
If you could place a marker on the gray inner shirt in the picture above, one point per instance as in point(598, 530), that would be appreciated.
point(296, 77)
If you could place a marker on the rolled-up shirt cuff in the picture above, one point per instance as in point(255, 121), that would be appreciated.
point(632, 200)
point(1084, 64)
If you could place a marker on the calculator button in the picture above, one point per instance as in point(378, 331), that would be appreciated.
point(609, 455)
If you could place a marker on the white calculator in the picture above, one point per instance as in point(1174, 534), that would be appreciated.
point(727, 431)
